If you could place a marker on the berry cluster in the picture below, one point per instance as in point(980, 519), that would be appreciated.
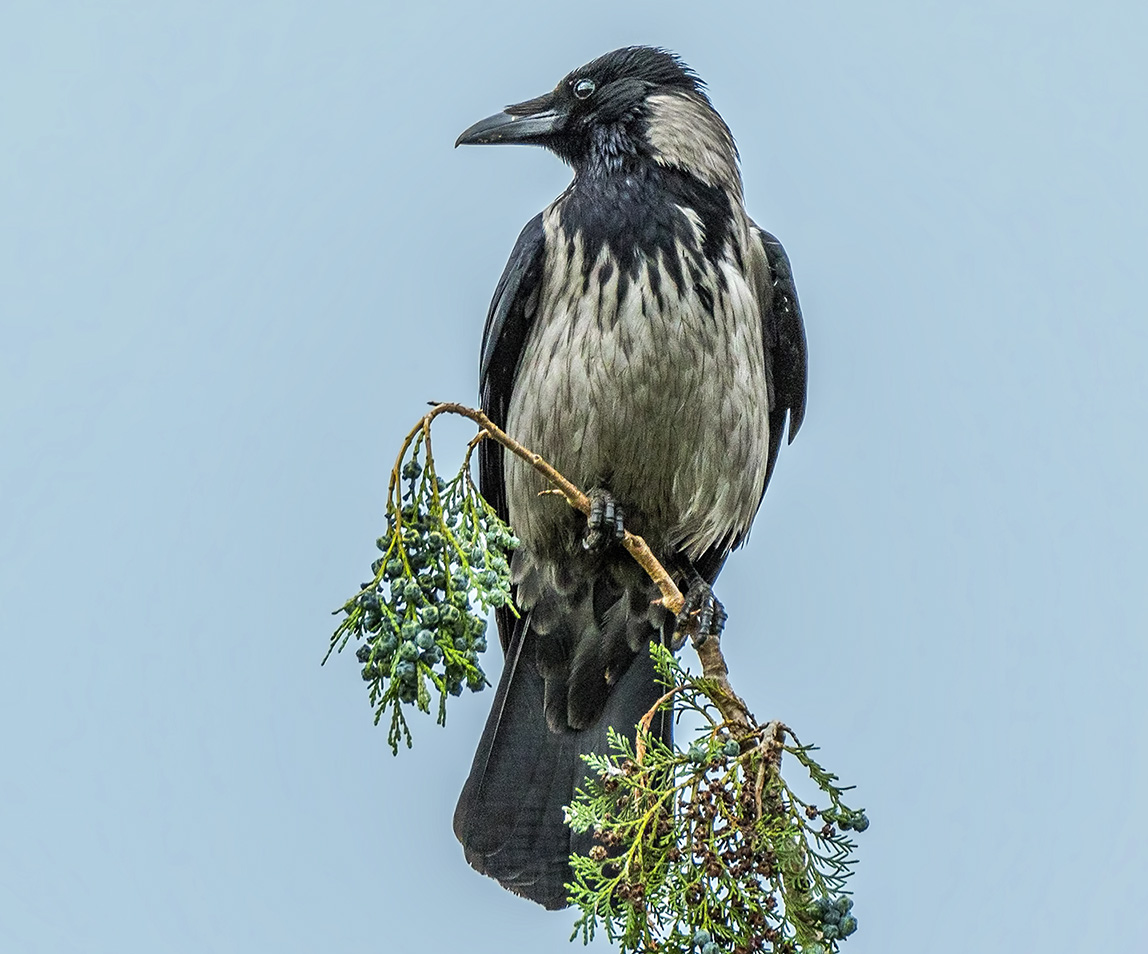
point(423, 616)
point(846, 820)
point(834, 917)
point(704, 943)
point(699, 753)
point(429, 618)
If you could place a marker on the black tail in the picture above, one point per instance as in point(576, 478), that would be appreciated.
point(510, 816)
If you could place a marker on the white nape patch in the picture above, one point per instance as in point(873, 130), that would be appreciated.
point(687, 134)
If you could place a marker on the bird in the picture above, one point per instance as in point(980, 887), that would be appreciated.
point(646, 339)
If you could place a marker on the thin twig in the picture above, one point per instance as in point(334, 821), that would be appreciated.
point(771, 747)
point(729, 703)
point(644, 722)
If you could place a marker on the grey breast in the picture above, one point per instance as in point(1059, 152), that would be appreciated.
point(655, 396)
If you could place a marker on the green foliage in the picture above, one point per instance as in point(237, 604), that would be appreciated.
point(709, 850)
point(421, 620)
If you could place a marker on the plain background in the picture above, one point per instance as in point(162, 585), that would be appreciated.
point(238, 254)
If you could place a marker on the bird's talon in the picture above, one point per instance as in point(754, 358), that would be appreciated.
point(701, 617)
point(605, 521)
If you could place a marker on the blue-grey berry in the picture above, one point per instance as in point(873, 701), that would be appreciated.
point(702, 937)
point(424, 639)
point(848, 925)
point(860, 821)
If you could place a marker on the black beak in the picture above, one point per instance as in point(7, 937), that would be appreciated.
point(532, 122)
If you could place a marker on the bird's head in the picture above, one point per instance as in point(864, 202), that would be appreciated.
point(631, 106)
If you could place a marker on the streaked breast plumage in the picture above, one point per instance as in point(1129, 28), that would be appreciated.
point(625, 363)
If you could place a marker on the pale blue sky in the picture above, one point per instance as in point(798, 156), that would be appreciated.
point(238, 254)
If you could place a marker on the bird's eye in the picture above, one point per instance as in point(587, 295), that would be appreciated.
point(584, 88)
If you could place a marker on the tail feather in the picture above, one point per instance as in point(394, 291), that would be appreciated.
point(510, 816)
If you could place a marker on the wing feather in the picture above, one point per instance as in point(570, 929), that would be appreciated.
point(783, 336)
point(508, 323)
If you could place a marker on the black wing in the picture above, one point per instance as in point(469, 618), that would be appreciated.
point(511, 314)
point(783, 335)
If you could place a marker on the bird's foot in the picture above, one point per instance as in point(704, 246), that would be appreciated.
point(701, 617)
point(604, 524)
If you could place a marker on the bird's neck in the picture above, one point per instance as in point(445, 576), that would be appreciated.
point(643, 211)
point(613, 150)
